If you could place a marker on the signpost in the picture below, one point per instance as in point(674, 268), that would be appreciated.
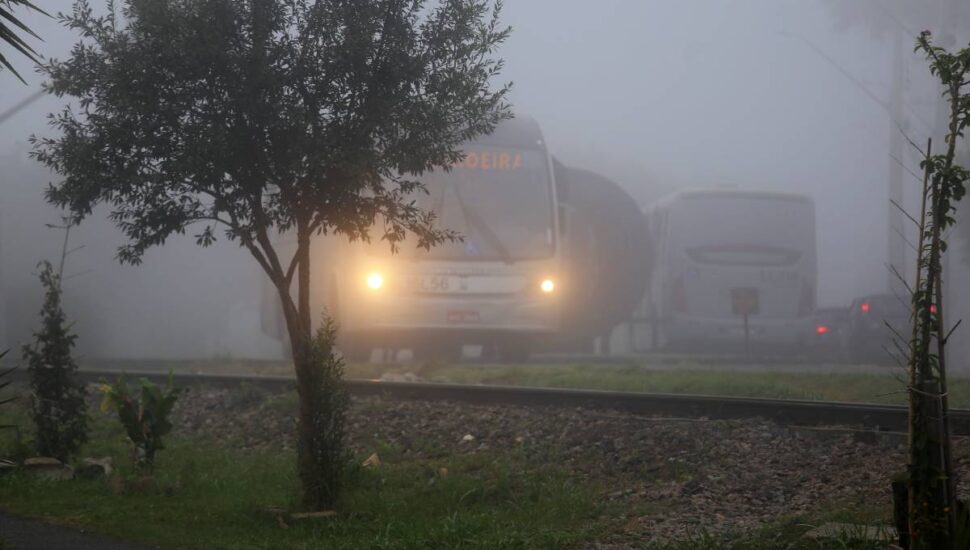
point(744, 302)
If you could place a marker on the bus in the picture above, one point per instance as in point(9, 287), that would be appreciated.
point(734, 267)
point(497, 287)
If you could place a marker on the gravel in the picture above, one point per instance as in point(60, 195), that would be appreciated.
point(674, 476)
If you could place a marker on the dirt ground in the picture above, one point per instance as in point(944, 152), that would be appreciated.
point(674, 475)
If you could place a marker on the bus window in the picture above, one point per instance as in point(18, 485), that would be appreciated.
point(498, 200)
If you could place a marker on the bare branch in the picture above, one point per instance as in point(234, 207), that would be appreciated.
point(291, 270)
point(953, 328)
point(903, 352)
point(894, 331)
point(908, 140)
point(905, 213)
point(906, 168)
point(899, 276)
point(904, 239)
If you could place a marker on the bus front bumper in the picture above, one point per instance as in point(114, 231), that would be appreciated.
point(469, 318)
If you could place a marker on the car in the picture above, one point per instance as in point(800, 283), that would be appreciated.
point(829, 336)
point(879, 326)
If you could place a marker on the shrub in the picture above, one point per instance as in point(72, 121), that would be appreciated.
point(324, 446)
point(145, 417)
point(4, 383)
point(58, 407)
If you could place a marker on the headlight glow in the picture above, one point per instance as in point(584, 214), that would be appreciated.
point(547, 286)
point(375, 281)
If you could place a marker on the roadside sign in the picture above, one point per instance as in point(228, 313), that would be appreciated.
point(744, 301)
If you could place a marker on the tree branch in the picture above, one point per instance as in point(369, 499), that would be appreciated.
point(905, 213)
point(291, 270)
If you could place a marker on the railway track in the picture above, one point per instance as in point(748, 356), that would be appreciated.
point(784, 411)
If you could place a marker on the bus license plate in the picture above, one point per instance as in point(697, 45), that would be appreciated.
point(433, 283)
point(439, 284)
point(463, 316)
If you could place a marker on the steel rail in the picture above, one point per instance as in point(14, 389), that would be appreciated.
point(785, 411)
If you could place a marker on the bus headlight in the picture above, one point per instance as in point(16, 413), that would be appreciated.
point(547, 286)
point(375, 281)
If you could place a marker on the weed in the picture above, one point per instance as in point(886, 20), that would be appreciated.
point(145, 418)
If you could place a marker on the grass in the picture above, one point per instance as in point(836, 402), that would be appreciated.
point(205, 497)
point(212, 499)
point(869, 388)
point(637, 377)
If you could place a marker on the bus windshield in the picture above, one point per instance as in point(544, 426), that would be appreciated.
point(744, 230)
point(499, 201)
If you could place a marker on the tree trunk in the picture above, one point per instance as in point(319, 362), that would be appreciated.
point(308, 384)
point(322, 398)
point(311, 422)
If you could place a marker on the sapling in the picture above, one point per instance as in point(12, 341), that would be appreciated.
point(145, 416)
point(934, 519)
point(58, 406)
point(4, 382)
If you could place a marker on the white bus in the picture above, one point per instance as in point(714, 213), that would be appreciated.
point(497, 288)
point(732, 264)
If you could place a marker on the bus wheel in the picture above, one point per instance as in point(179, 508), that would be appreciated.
point(445, 352)
point(355, 349)
point(515, 349)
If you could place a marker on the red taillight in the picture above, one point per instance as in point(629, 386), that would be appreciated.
point(821, 329)
point(806, 303)
point(680, 296)
point(864, 308)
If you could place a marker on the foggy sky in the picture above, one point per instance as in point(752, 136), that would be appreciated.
point(656, 95)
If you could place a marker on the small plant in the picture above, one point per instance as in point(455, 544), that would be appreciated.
point(145, 417)
point(324, 457)
point(3, 401)
point(5, 383)
point(57, 400)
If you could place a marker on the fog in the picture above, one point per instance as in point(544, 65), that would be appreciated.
point(774, 95)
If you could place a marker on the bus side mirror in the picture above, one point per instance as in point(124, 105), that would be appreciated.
point(563, 218)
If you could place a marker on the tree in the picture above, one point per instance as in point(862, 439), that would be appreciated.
point(933, 517)
point(271, 116)
point(58, 407)
point(9, 25)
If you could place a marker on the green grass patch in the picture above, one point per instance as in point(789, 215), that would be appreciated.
point(205, 497)
point(869, 388)
point(688, 378)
